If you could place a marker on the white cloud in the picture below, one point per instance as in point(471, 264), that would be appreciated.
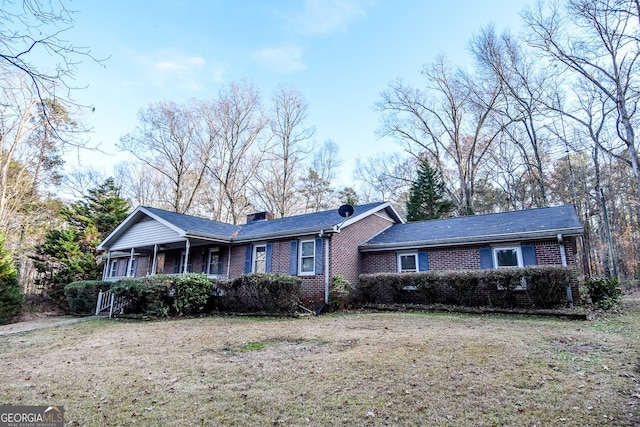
point(320, 17)
point(287, 59)
point(176, 69)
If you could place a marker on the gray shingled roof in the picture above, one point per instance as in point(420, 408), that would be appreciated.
point(299, 224)
point(506, 226)
point(194, 224)
point(289, 225)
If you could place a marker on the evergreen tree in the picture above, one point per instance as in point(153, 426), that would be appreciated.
point(10, 292)
point(427, 199)
point(70, 254)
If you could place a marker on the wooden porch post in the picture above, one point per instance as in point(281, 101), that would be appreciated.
point(129, 267)
point(107, 266)
point(154, 263)
point(186, 257)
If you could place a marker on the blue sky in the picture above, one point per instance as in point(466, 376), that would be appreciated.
point(339, 53)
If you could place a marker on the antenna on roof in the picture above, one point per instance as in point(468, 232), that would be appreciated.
point(344, 211)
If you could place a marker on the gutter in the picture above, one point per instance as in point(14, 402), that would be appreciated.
point(288, 233)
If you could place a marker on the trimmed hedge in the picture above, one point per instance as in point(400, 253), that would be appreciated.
point(541, 286)
point(161, 295)
point(82, 295)
point(147, 295)
point(262, 292)
point(192, 291)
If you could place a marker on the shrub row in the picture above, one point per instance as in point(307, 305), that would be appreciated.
point(259, 292)
point(539, 286)
point(191, 294)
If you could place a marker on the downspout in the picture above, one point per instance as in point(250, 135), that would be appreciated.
point(326, 268)
point(154, 263)
point(563, 256)
point(229, 263)
point(327, 275)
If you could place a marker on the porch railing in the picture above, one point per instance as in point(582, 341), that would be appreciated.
point(108, 300)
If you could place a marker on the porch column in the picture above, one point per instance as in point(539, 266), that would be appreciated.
point(131, 258)
point(154, 262)
point(105, 270)
point(186, 257)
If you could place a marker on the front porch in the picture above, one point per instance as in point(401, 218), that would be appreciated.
point(170, 258)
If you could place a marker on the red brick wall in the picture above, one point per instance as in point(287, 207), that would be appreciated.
point(454, 258)
point(465, 257)
point(346, 259)
point(312, 286)
point(378, 262)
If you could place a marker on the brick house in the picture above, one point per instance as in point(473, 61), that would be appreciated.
point(319, 246)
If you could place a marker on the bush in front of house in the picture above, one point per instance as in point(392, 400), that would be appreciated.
point(82, 295)
point(151, 295)
point(394, 288)
point(541, 286)
point(547, 285)
point(262, 292)
point(191, 293)
point(340, 292)
point(605, 292)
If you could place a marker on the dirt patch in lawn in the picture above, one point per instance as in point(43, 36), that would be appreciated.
point(341, 369)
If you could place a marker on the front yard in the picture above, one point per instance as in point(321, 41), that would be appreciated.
point(344, 369)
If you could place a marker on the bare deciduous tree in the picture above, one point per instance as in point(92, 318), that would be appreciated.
point(170, 140)
point(386, 177)
point(236, 123)
point(317, 186)
point(29, 28)
point(451, 121)
point(282, 169)
point(526, 86)
point(598, 41)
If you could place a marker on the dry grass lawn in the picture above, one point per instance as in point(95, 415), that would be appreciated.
point(345, 369)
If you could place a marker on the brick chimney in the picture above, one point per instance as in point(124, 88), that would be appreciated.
point(260, 216)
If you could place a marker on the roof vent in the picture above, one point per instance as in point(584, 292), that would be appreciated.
point(259, 216)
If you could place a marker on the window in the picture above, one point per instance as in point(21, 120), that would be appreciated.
point(307, 257)
point(183, 260)
point(509, 257)
point(260, 259)
point(132, 266)
point(213, 266)
point(407, 263)
point(505, 257)
point(113, 271)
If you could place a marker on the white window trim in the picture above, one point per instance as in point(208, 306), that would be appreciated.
point(523, 282)
point(114, 263)
point(494, 254)
point(254, 259)
point(313, 271)
point(132, 267)
point(182, 262)
point(399, 262)
point(212, 252)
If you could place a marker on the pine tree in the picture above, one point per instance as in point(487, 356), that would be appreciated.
point(10, 292)
point(70, 254)
point(427, 199)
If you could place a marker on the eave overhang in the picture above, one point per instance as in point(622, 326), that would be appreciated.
point(474, 240)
